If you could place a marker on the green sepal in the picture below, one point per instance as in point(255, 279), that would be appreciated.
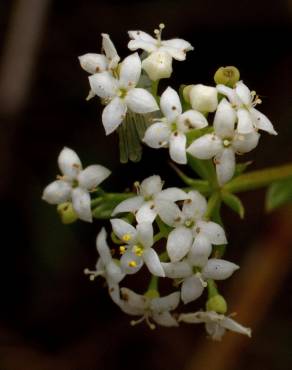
point(234, 203)
point(217, 303)
point(278, 194)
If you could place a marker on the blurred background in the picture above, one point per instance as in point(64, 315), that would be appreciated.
point(51, 316)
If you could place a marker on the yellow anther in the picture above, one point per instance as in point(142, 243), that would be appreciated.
point(138, 250)
point(122, 249)
point(132, 264)
point(126, 237)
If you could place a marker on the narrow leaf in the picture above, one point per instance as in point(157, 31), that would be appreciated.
point(233, 202)
point(278, 194)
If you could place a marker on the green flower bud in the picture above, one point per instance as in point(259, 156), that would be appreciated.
point(67, 213)
point(227, 76)
point(217, 303)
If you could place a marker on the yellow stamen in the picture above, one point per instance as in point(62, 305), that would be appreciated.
point(126, 237)
point(122, 249)
point(132, 264)
point(138, 250)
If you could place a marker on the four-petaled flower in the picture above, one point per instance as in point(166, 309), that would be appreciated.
point(156, 308)
point(144, 205)
point(170, 130)
point(224, 142)
point(244, 101)
point(75, 183)
point(137, 249)
point(121, 93)
point(107, 267)
point(216, 324)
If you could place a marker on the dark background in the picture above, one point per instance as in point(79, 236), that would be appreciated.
point(51, 316)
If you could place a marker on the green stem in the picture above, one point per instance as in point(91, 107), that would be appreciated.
point(212, 288)
point(213, 204)
point(154, 88)
point(153, 285)
point(259, 179)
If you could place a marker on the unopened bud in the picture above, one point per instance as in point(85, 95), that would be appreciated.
point(186, 93)
point(67, 213)
point(203, 98)
point(227, 76)
point(217, 303)
point(158, 65)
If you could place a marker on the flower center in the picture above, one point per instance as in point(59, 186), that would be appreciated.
point(138, 249)
point(126, 237)
point(122, 93)
point(226, 142)
point(189, 223)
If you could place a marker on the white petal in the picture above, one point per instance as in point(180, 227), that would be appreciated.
point(230, 93)
point(245, 121)
point(245, 143)
point(130, 71)
point(114, 272)
point(81, 204)
point(230, 324)
point(69, 163)
point(124, 230)
point(110, 51)
point(166, 303)
point(194, 317)
point(158, 65)
point(134, 300)
point(113, 115)
point(92, 176)
point(164, 319)
point(102, 247)
point(213, 231)
point(172, 195)
point(145, 234)
point(157, 135)
point(174, 52)
point(146, 213)
point(57, 192)
point(215, 330)
point(93, 63)
point(143, 36)
point(190, 120)
point(206, 147)
point(218, 269)
point(194, 206)
point(131, 263)
point(151, 186)
point(200, 251)
point(153, 263)
point(191, 289)
point(141, 101)
point(169, 212)
point(177, 147)
point(243, 92)
point(114, 292)
point(180, 44)
point(176, 270)
point(103, 84)
point(262, 122)
point(129, 205)
point(225, 165)
point(224, 120)
point(179, 243)
point(140, 44)
point(170, 104)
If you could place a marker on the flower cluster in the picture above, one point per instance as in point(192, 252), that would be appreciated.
point(175, 234)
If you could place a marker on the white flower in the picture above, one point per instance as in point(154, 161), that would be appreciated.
point(138, 248)
point(107, 267)
point(159, 62)
point(157, 308)
point(121, 93)
point(177, 48)
point(224, 142)
point(203, 98)
point(75, 183)
point(144, 205)
point(95, 63)
point(244, 101)
point(170, 130)
point(191, 233)
point(215, 323)
point(194, 276)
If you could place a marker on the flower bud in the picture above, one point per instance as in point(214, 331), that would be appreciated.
point(186, 93)
point(203, 98)
point(217, 303)
point(158, 65)
point(227, 76)
point(67, 213)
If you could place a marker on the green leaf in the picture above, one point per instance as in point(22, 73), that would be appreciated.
point(278, 194)
point(204, 168)
point(233, 202)
point(241, 167)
